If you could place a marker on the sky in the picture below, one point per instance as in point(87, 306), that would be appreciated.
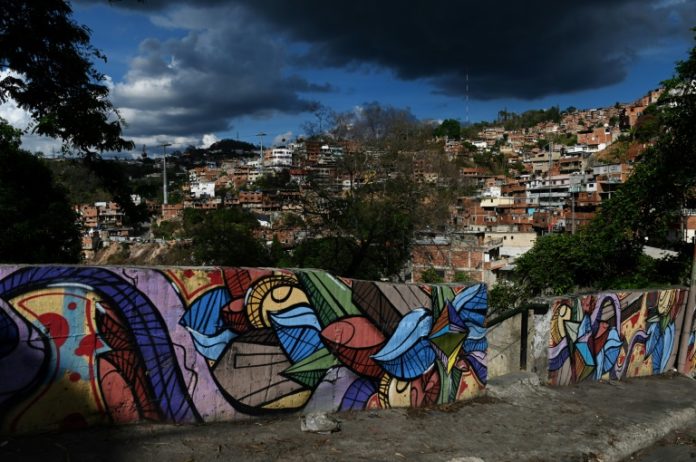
point(192, 72)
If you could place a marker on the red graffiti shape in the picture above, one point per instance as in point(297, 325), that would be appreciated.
point(354, 340)
point(88, 345)
point(215, 277)
point(56, 326)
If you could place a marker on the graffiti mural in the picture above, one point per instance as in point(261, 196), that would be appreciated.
point(615, 335)
point(687, 363)
point(86, 345)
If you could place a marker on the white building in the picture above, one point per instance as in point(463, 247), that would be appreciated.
point(491, 191)
point(280, 157)
point(201, 189)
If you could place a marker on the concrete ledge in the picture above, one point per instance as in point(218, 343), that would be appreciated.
point(589, 422)
point(516, 385)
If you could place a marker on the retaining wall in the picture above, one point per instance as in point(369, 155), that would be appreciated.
point(615, 335)
point(602, 336)
point(93, 345)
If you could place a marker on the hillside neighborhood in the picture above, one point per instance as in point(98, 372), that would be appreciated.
point(520, 182)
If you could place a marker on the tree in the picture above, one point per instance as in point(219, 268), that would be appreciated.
point(53, 77)
point(382, 127)
point(367, 232)
point(38, 225)
point(366, 235)
point(450, 128)
point(324, 118)
point(513, 121)
point(49, 71)
point(224, 237)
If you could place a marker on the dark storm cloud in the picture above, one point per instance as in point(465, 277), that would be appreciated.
point(225, 66)
point(235, 57)
point(523, 49)
point(510, 48)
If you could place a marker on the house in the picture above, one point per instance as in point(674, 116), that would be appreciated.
point(448, 254)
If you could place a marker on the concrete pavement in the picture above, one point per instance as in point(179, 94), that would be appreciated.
point(519, 421)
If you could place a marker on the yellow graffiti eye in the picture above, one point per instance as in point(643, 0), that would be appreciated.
point(665, 301)
point(564, 311)
point(561, 313)
point(270, 294)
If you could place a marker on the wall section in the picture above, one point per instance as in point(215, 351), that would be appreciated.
point(97, 345)
point(615, 335)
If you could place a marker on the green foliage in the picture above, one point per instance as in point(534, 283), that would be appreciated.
point(648, 127)
point(471, 131)
point(462, 277)
point(75, 177)
point(503, 296)
point(617, 152)
point(450, 128)
point(224, 237)
point(277, 254)
point(567, 139)
point(38, 224)
point(114, 179)
point(518, 167)
point(61, 89)
point(513, 121)
point(557, 264)
point(492, 161)
point(274, 181)
point(168, 229)
point(370, 238)
point(430, 276)
point(229, 148)
point(649, 272)
point(328, 253)
point(365, 235)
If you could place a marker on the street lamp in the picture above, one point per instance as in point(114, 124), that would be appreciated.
point(261, 135)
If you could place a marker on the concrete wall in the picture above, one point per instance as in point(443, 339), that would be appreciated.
point(87, 345)
point(603, 336)
point(615, 335)
point(506, 352)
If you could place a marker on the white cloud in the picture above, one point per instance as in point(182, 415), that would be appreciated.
point(208, 140)
point(226, 65)
point(153, 143)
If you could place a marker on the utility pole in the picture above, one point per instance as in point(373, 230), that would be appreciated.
point(164, 169)
point(572, 208)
